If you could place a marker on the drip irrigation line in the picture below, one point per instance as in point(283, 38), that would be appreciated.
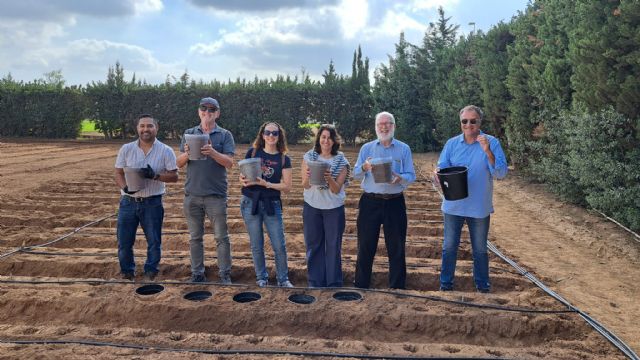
point(380, 263)
point(226, 352)
point(617, 342)
point(637, 237)
point(606, 333)
point(76, 230)
point(209, 283)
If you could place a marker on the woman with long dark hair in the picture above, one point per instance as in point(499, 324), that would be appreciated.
point(261, 203)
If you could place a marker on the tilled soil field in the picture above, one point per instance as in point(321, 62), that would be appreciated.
point(60, 287)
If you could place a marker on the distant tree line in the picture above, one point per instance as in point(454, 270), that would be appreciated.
point(46, 108)
point(559, 83)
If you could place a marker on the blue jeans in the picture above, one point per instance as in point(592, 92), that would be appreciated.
point(275, 228)
point(149, 214)
point(478, 231)
point(215, 208)
point(323, 230)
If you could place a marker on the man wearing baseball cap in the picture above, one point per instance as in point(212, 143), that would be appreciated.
point(206, 189)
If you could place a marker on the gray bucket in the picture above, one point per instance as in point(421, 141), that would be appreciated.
point(134, 179)
point(453, 181)
point(196, 142)
point(317, 169)
point(381, 170)
point(251, 168)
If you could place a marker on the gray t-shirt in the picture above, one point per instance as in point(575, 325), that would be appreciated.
point(207, 177)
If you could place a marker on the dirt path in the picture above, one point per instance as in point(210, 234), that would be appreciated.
point(588, 260)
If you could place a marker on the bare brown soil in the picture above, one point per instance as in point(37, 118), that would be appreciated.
point(70, 291)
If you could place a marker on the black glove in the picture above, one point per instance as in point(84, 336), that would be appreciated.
point(126, 190)
point(148, 172)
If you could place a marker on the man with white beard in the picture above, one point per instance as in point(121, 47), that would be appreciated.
point(383, 204)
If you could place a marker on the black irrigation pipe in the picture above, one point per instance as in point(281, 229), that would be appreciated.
point(386, 292)
point(76, 230)
point(616, 341)
point(227, 352)
point(613, 339)
point(269, 258)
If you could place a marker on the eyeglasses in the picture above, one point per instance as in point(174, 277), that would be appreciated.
point(271, 133)
point(209, 109)
point(385, 123)
point(470, 121)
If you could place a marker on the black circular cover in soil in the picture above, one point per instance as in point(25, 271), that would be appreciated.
point(303, 299)
point(198, 295)
point(149, 289)
point(347, 296)
point(245, 297)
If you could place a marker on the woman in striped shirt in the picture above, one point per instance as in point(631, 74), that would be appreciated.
point(323, 213)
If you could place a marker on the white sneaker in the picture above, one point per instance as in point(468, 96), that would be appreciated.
point(286, 284)
point(262, 283)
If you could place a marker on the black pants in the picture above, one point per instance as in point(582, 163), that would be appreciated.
point(392, 214)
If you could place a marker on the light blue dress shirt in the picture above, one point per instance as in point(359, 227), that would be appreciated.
point(480, 175)
point(402, 166)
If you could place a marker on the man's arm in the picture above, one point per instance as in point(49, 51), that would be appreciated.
point(119, 176)
point(169, 176)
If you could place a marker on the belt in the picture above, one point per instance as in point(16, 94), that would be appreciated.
point(383, 196)
point(140, 199)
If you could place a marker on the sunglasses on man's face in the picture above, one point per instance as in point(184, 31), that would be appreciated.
point(470, 121)
point(271, 133)
point(209, 109)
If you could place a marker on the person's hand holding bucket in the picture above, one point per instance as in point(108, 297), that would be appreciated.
point(382, 172)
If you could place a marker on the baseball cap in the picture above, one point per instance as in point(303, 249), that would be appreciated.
point(209, 101)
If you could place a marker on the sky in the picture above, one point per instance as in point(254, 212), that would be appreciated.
point(218, 39)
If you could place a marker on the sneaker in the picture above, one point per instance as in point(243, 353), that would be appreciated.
point(198, 278)
point(286, 284)
point(226, 280)
point(484, 291)
point(128, 276)
point(150, 276)
point(444, 288)
point(262, 283)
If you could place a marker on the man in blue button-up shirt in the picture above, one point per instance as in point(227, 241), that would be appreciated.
point(383, 203)
point(485, 160)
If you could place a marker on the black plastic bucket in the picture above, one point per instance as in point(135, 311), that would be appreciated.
point(453, 181)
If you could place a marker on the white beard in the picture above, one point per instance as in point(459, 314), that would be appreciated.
point(385, 137)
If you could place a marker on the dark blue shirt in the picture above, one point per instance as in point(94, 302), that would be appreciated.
point(271, 171)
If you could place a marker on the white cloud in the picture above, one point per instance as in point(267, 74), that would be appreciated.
point(432, 4)
point(258, 32)
point(353, 16)
point(146, 6)
point(392, 24)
